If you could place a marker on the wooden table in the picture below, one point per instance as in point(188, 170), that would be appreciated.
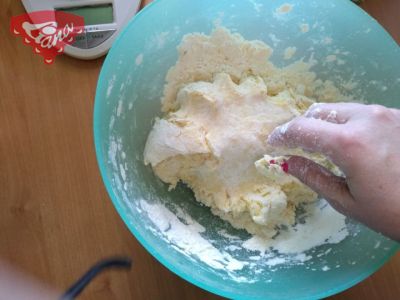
point(55, 215)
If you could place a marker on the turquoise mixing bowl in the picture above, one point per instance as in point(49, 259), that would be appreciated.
point(128, 99)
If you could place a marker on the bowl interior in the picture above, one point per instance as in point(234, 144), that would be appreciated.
point(128, 100)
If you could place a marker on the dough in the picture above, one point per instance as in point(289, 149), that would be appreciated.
point(275, 168)
point(221, 101)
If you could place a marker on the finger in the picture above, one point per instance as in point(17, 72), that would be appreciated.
point(338, 113)
point(309, 134)
point(329, 186)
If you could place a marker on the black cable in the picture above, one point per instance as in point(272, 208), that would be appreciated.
point(78, 286)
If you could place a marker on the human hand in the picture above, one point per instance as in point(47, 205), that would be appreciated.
point(364, 142)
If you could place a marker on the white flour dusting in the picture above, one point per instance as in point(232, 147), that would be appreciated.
point(327, 41)
point(257, 6)
point(112, 153)
point(325, 268)
point(119, 108)
point(139, 59)
point(275, 261)
point(330, 58)
point(322, 226)
point(161, 39)
point(332, 116)
point(275, 41)
point(187, 237)
point(110, 85)
point(227, 235)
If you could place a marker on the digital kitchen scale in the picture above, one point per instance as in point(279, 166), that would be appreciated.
point(104, 19)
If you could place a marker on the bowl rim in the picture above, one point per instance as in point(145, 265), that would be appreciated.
point(103, 171)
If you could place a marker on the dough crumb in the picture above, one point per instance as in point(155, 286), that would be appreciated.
point(330, 58)
point(304, 27)
point(284, 8)
point(289, 52)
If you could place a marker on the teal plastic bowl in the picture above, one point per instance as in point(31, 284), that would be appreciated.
point(128, 99)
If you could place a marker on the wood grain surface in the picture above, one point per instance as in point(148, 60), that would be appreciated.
point(55, 216)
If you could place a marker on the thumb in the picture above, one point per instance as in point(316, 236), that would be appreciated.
point(326, 184)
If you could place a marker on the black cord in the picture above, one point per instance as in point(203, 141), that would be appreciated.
point(78, 286)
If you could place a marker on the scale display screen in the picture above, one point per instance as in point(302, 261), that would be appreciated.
point(93, 14)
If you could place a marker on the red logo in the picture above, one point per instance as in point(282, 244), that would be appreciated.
point(48, 31)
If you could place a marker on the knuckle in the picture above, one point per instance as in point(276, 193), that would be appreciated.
point(349, 139)
point(314, 110)
point(314, 106)
point(282, 133)
point(380, 112)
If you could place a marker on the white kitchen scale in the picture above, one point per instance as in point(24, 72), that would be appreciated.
point(104, 19)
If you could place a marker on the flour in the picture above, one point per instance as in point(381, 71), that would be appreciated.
point(276, 261)
point(323, 225)
point(110, 85)
point(327, 41)
point(119, 108)
point(257, 6)
point(139, 59)
point(187, 237)
point(112, 153)
point(332, 116)
point(275, 41)
point(325, 268)
point(331, 58)
point(227, 235)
